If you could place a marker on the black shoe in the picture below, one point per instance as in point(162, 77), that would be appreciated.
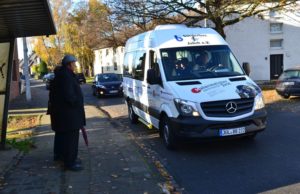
point(75, 167)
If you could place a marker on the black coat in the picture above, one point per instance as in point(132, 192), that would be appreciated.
point(66, 107)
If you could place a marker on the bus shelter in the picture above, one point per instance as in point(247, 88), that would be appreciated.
point(18, 18)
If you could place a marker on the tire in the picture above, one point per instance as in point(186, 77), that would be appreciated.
point(131, 115)
point(168, 134)
point(286, 96)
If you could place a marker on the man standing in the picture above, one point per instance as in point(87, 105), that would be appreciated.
point(67, 114)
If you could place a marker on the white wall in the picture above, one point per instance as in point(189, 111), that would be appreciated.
point(291, 43)
point(250, 42)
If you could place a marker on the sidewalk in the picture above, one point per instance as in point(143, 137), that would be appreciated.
point(113, 163)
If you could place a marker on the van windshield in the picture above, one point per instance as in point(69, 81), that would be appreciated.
point(186, 63)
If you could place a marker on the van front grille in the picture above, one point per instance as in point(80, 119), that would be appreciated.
point(228, 108)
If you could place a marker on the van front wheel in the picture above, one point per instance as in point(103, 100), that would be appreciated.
point(168, 135)
point(131, 115)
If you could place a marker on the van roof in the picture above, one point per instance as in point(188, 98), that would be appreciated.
point(175, 35)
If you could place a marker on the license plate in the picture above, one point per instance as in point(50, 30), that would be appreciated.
point(113, 91)
point(234, 131)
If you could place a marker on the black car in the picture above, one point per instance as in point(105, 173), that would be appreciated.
point(288, 83)
point(107, 84)
point(47, 79)
point(81, 78)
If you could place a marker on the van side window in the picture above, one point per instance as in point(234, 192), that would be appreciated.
point(139, 65)
point(127, 65)
point(153, 63)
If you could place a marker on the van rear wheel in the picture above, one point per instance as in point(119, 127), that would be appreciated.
point(131, 115)
point(168, 135)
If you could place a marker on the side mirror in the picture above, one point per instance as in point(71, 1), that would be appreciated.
point(246, 67)
point(152, 78)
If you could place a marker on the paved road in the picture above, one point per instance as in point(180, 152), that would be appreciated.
point(269, 163)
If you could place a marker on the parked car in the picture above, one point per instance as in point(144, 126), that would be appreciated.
point(288, 83)
point(107, 84)
point(81, 78)
point(47, 79)
point(46, 76)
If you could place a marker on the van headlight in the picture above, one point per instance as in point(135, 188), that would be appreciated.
point(259, 102)
point(186, 108)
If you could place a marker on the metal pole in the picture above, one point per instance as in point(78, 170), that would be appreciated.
point(26, 70)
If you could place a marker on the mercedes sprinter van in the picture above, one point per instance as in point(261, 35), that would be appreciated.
point(186, 82)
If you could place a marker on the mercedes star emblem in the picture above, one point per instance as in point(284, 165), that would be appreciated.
point(231, 107)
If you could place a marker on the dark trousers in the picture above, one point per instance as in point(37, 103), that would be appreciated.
point(66, 146)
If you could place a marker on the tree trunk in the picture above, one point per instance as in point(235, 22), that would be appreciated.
point(219, 27)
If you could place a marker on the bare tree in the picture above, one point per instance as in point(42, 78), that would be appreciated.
point(220, 12)
point(129, 18)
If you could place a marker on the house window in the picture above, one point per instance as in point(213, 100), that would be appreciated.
point(272, 13)
point(276, 28)
point(115, 66)
point(277, 43)
point(107, 52)
point(275, 14)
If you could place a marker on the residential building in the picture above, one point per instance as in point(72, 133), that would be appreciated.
point(33, 59)
point(109, 60)
point(270, 45)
